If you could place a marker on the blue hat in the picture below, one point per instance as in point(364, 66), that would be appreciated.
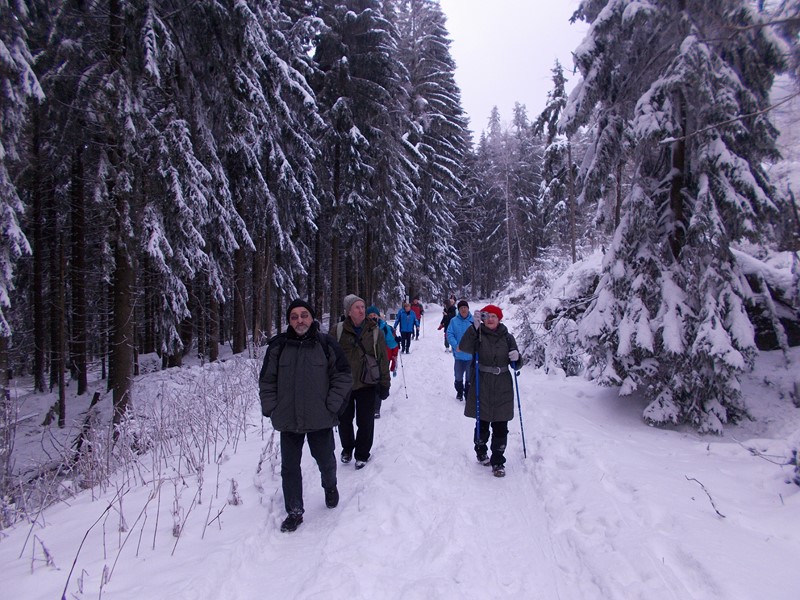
point(373, 309)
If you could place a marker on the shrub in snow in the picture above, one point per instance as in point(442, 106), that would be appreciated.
point(551, 314)
point(685, 379)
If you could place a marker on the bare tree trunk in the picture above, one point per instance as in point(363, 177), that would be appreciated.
point(38, 263)
point(121, 364)
point(213, 327)
point(54, 233)
point(318, 293)
point(148, 302)
point(239, 312)
point(61, 318)
point(124, 274)
point(269, 292)
point(258, 291)
point(369, 268)
point(104, 352)
point(336, 295)
point(202, 319)
point(77, 275)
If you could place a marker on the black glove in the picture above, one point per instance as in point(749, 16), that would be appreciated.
point(383, 392)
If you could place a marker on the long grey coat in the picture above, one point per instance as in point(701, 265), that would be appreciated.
point(303, 388)
point(495, 391)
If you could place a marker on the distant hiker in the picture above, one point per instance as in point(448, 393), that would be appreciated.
point(392, 347)
point(407, 321)
point(304, 383)
point(364, 345)
point(447, 314)
point(463, 360)
point(419, 310)
point(496, 349)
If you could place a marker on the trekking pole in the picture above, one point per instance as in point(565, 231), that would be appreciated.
point(403, 373)
point(477, 401)
point(519, 407)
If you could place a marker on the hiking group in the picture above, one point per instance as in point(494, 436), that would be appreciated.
point(311, 382)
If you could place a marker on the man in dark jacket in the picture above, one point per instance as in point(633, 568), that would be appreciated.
point(491, 398)
point(304, 383)
point(447, 315)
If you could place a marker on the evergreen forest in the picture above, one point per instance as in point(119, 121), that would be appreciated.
point(173, 173)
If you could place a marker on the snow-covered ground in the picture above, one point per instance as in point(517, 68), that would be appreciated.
point(603, 507)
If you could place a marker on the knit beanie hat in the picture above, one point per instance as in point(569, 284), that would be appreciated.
point(299, 304)
point(495, 310)
point(373, 309)
point(349, 300)
point(462, 303)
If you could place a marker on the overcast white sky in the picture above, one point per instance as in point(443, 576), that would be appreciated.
point(505, 51)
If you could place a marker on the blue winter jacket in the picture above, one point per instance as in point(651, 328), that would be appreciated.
point(458, 325)
point(407, 320)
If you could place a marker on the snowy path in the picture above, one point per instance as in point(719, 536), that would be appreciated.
point(600, 509)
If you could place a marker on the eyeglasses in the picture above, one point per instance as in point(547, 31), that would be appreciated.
point(302, 315)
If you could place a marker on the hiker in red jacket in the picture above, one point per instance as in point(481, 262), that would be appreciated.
point(419, 310)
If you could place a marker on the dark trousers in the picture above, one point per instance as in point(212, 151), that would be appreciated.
point(322, 447)
point(362, 407)
point(405, 340)
point(499, 440)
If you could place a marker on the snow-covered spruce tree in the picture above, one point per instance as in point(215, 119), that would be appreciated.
point(270, 134)
point(689, 82)
point(367, 165)
point(18, 86)
point(440, 138)
point(555, 202)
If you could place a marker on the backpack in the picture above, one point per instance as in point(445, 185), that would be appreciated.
point(340, 328)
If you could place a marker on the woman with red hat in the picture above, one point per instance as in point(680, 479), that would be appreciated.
point(495, 349)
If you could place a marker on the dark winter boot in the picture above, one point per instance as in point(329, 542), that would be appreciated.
point(332, 497)
point(459, 390)
point(292, 522)
point(498, 470)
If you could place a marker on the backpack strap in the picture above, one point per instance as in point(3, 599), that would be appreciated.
point(323, 341)
point(340, 328)
point(280, 341)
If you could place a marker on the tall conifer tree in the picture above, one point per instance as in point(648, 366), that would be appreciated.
point(688, 81)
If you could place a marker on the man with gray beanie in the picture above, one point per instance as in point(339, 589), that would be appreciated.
point(363, 344)
point(303, 386)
